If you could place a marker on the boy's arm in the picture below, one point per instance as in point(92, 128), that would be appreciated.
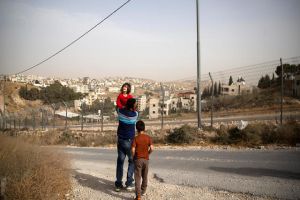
point(133, 151)
point(150, 149)
point(133, 148)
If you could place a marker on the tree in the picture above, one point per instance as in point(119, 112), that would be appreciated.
point(205, 93)
point(220, 88)
point(23, 92)
point(264, 82)
point(240, 79)
point(32, 94)
point(273, 79)
point(56, 93)
point(215, 89)
point(288, 69)
point(230, 80)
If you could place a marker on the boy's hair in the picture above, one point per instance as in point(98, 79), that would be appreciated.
point(130, 103)
point(128, 87)
point(140, 126)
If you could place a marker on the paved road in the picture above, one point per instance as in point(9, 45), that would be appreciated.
point(274, 173)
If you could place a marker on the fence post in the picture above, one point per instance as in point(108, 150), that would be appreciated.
point(53, 106)
point(212, 100)
point(25, 122)
point(102, 115)
point(66, 123)
point(42, 122)
point(281, 104)
point(162, 106)
point(14, 122)
point(46, 120)
point(10, 122)
point(19, 121)
point(33, 120)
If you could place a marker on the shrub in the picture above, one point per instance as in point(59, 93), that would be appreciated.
point(289, 133)
point(260, 133)
point(33, 172)
point(222, 136)
point(182, 135)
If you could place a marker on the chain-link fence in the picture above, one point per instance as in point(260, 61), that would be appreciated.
point(267, 91)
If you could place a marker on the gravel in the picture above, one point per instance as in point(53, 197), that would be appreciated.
point(96, 181)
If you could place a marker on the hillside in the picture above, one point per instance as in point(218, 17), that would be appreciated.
point(14, 103)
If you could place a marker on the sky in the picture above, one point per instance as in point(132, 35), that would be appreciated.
point(154, 39)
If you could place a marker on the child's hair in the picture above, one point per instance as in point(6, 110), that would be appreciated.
point(128, 88)
point(130, 103)
point(140, 126)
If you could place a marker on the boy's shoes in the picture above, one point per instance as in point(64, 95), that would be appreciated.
point(118, 188)
point(138, 198)
point(143, 193)
point(130, 187)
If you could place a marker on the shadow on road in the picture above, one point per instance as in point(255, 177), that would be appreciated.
point(258, 172)
point(99, 184)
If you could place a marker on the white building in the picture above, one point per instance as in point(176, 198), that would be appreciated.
point(165, 106)
point(237, 88)
point(142, 103)
point(154, 108)
point(174, 104)
point(80, 88)
point(188, 101)
point(114, 89)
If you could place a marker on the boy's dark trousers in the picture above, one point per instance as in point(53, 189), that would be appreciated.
point(141, 173)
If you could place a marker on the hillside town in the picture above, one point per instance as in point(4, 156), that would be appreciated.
point(152, 97)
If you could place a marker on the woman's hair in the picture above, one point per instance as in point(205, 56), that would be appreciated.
point(128, 87)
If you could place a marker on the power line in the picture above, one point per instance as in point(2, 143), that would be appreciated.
point(81, 36)
point(261, 67)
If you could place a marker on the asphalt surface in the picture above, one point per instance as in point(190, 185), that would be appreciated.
point(272, 173)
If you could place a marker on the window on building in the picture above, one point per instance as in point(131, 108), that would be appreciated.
point(225, 89)
point(153, 105)
point(165, 112)
point(298, 82)
point(232, 90)
point(153, 112)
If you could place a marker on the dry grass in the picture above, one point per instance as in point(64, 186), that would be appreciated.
point(260, 134)
point(66, 137)
point(33, 172)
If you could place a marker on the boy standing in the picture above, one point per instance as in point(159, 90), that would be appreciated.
point(141, 148)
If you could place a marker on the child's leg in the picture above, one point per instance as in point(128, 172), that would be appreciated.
point(145, 175)
point(138, 176)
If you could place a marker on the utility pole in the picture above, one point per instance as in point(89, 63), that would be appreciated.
point(212, 100)
point(281, 104)
point(162, 105)
point(198, 70)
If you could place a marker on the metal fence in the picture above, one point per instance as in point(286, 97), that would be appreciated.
point(276, 100)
